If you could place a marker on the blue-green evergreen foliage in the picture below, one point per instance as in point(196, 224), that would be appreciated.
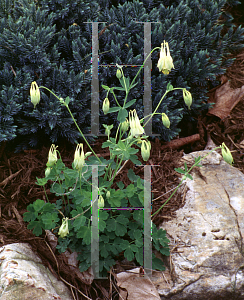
point(50, 43)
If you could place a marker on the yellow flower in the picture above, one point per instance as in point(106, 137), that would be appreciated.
point(227, 154)
point(35, 93)
point(135, 126)
point(79, 157)
point(52, 156)
point(165, 62)
point(64, 228)
point(165, 120)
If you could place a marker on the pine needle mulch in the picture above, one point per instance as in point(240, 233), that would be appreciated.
point(18, 189)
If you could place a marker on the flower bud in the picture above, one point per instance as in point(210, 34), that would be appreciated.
point(165, 120)
point(61, 100)
point(187, 98)
point(125, 125)
point(106, 105)
point(108, 194)
point(35, 93)
point(100, 202)
point(47, 171)
point(118, 74)
point(52, 156)
point(227, 154)
point(145, 150)
point(108, 128)
point(64, 228)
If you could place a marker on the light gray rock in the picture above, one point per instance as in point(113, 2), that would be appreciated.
point(24, 277)
point(206, 236)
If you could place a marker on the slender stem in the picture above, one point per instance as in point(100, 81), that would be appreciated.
point(115, 171)
point(156, 108)
point(74, 122)
point(115, 98)
point(127, 91)
point(142, 66)
point(108, 168)
point(45, 193)
point(117, 132)
point(160, 103)
point(168, 198)
point(68, 203)
point(62, 195)
point(83, 135)
point(183, 180)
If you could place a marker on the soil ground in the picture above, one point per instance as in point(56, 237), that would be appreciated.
point(18, 174)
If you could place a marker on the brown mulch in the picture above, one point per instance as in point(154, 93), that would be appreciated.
point(18, 174)
point(18, 189)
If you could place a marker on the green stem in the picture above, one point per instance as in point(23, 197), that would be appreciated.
point(156, 108)
point(115, 98)
point(127, 91)
point(119, 127)
point(74, 122)
point(115, 171)
point(160, 103)
point(108, 169)
point(62, 193)
point(45, 193)
point(143, 66)
point(183, 180)
point(68, 203)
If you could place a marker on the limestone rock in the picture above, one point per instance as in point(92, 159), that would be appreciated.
point(206, 236)
point(23, 276)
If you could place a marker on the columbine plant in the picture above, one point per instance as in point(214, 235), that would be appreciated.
point(121, 231)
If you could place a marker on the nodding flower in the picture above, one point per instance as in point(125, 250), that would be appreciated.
point(52, 156)
point(165, 62)
point(64, 228)
point(135, 126)
point(79, 157)
point(100, 202)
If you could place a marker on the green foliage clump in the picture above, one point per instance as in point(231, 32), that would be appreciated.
point(120, 231)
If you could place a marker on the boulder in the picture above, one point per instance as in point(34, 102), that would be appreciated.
point(206, 236)
point(24, 277)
